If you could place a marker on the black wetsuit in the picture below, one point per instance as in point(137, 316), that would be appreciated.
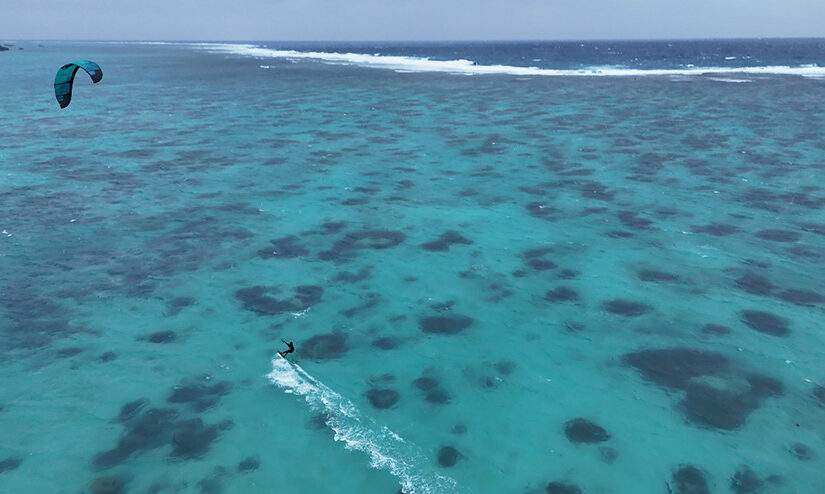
point(291, 349)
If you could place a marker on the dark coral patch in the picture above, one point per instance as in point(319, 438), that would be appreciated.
point(608, 454)
point(167, 336)
point(583, 431)
point(177, 304)
point(561, 294)
point(753, 283)
point(258, 300)
point(437, 397)
point(657, 276)
point(801, 451)
point(370, 239)
point(131, 410)
point(745, 481)
point(382, 398)
point(541, 264)
point(633, 221)
point(505, 367)
point(717, 329)
point(68, 352)
point(819, 394)
point(324, 346)
point(620, 234)
point(284, 248)
point(561, 488)
point(448, 456)
point(148, 430)
point(675, 367)
point(765, 322)
point(688, 480)
point(108, 485)
point(249, 464)
point(452, 324)
point(568, 274)
point(626, 308)
point(10, 464)
point(386, 343)
point(801, 297)
point(443, 243)
point(107, 356)
point(192, 439)
point(717, 229)
point(779, 235)
point(200, 394)
point(425, 383)
point(349, 277)
point(332, 227)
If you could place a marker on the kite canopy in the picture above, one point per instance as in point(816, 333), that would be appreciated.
point(64, 79)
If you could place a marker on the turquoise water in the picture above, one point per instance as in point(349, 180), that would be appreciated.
point(538, 248)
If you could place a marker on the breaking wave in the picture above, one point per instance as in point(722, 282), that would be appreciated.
point(468, 67)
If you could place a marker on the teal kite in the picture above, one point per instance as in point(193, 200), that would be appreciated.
point(64, 79)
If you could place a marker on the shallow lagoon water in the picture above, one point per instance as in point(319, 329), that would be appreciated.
point(467, 265)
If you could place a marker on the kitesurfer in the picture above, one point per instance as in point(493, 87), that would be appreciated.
point(285, 352)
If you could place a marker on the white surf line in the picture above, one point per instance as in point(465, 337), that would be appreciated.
point(386, 449)
point(468, 67)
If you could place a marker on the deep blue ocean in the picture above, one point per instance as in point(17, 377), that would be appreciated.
point(522, 267)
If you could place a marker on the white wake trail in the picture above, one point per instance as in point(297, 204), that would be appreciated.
point(386, 449)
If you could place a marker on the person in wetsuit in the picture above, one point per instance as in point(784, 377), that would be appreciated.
point(285, 352)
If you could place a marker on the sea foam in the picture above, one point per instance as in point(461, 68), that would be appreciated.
point(468, 67)
point(386, 449)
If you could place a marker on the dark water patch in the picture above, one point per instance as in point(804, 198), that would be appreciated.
point(801, 451)
point(69, 352)
point(284, 248)
point(368, 239)
point(200, 394)
point(426, 383)
point(112, 484)
point(519, 273)
point(332, 227)
point(149, 430)
point(620, 234)
point(711, 407)
point(249, 464)
point(633, 221)
point(590, 211)
point(561, 294)
point(448, 456)
point(10, 464)
point(568, 274)
point(802, 252)
point(597, 191)
point(505, 367)
point(160, 337)
point(355, 201)
point(437, 397)
point(745, 481)
point(369, 301)
point(131, 410)
point(386, 343)
point(816, 228)
point(324, 346)
point(765, 322)
point(583, 431)
point(608, 454)
point(382, 398)
point(349, 277)
point(754, 283)
point(445, 240)
point(558, 487)
point(819, 394)
point(177, 304)
point(779, 235)
point(626, 308)
point(443, 306)
point(716, 329)
point(258, 300)
point(652, 275)
point(675, 367)
point(459, 429)
point(801, 297)
point(542, 211)
point(579, 172)
point(192, 439)
point(541, 264)
point(107, 356)
point(405, 184)
point(452, 324)
point(688, 479)
point(537, 260)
